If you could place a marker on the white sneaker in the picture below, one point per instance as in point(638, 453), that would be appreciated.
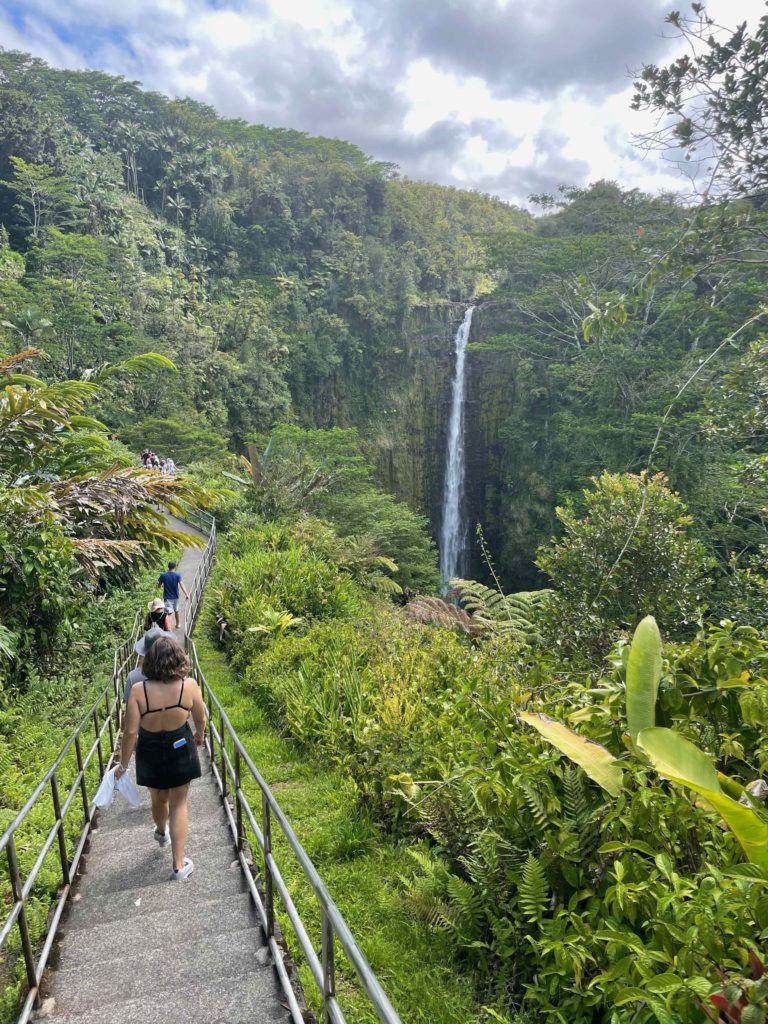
point(163, 839)
point(178, 875)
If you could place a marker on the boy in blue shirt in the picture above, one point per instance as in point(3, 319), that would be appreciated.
point(171, 581)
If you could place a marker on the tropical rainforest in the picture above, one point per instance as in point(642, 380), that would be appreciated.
point(564, 750)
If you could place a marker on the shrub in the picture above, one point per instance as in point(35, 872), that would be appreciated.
point(628, 556)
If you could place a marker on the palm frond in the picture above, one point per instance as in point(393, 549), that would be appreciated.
point(131, 366)
point(94, 554)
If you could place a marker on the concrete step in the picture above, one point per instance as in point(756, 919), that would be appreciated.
point(250, 999)
point(125, 971)
point(141, 824)
point(199, 811)
point(203, 888)
point(124, 848)
point(110, 871)
point(157, 928)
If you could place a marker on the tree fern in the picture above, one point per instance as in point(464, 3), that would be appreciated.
point(510, 614)
point(533, 892)
point(436, 612)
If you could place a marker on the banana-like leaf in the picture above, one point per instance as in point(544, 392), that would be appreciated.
point(599, 763)
point(680, 761)
point(643, 674)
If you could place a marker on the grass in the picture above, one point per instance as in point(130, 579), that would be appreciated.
point(361, 868)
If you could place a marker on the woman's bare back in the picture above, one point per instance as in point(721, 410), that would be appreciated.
point(165, 706)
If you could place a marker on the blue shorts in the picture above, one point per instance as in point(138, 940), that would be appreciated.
point(172, 606)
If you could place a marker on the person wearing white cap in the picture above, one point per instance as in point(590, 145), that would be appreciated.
point(156, 625)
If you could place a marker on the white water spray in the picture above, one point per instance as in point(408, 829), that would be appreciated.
point(452, 529)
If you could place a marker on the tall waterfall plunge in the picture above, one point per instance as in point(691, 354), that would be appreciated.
point(452, 530)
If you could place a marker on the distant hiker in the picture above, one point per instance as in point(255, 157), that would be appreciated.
point(158, 615)
point(171, 581)
point(155, 461)
point(156, 726)
point(145, 458)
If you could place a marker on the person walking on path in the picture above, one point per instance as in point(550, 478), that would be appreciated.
point(158, 623)
point(170, 582)
point(157, 727)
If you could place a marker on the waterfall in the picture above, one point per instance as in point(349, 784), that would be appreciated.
point(452, 529)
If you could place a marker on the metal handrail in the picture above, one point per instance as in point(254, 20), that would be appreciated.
point(241, 819)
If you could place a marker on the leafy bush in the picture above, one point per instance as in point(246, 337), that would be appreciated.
point(630, 554)
point(275, 570)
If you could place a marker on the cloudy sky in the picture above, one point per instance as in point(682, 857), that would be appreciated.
point(506, 96)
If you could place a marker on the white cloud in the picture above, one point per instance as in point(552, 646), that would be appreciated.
point(393, 75)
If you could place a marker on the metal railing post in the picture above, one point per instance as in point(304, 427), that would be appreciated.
point(238, 802)
point(269, 896)
point(111, 728)
point(61, 837)
point(328, 962)
point(81, 770)
point(222, 750)
point(211, 739)
point(16, 888)
point(97, 737)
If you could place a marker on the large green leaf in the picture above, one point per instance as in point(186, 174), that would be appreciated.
point(643, 674)
point(680, 761)
point(597, 762)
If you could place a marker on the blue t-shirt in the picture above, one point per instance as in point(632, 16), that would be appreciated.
point(170, 581)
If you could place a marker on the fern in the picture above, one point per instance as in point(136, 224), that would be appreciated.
point(510, 614)
point(533, 892)
point(8, 643)
point(576, 809)
point(536, 805)
point(436, 612)
point(445, 901)
point(465, 907)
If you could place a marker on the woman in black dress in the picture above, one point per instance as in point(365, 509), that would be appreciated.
point(157, 726)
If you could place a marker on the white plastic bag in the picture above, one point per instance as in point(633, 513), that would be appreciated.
point(106, 791)
point(126, 787)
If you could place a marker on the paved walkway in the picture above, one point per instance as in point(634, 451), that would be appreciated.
point(138, 948)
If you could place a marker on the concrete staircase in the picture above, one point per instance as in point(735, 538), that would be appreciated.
point(140, 948)
point(137, 948)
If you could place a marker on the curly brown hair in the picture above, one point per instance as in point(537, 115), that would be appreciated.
point(166, 661)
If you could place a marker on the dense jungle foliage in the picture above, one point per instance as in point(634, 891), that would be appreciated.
point(583, 804)
point(293, 279)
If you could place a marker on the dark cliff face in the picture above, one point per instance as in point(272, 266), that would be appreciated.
point(506, 489)
point(410, 440)
point(490, 399)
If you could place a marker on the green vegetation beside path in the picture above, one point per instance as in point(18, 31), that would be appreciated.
point(361, 867)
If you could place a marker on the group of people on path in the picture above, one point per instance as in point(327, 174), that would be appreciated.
point(151, 461)
point(161, 696)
